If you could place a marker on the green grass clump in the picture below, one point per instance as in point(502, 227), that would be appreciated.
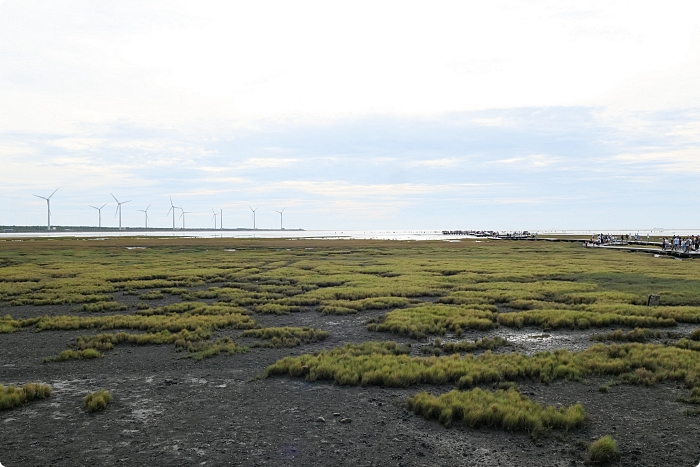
point(603, 450)
point(151, 295)
point(688, 344)
point(636, 335)
point(694, 397)
point(276, 309)
point(502, 409)
point(344, 307)
point(92, 346)
point(70, 354)
point(8, 325)
point(12, 396)
point(172, 322)
point(205, 349)
point(98, 400)
point(102, 306)
point(486, 343)
point(695, 335)
point(419, 321)
point(370, 364)
point(286, 336)
point(574, 319)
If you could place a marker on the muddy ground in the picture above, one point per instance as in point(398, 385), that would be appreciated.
point(172, 411)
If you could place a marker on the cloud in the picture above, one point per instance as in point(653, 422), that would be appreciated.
point(436, 163)
point(681, 160)
point(531, 161)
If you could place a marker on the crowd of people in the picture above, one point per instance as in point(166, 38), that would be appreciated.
point(608, 239)
point(685, 245)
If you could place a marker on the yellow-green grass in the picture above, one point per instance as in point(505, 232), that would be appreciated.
point(635, 335)
point(12, 396)
point(573, 319)
point(8, 324)
point(151, 295)
point(554, 285)
point(205, 349)
point(285, 336)
point(98, 400)
point(603, 450)
point(695, 335)
point(485, 343)
point(195, 343)
point(102, 306)
point(434, 319)
point(506, 410)
point(379, 364)
point(688, 344)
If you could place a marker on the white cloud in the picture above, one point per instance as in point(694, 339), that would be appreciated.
point(436, 163)
point(682, 160)
point(531, 161)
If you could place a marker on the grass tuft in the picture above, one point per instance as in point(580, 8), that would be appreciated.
point(503, 409)
point(12, 396)
point(285, 336)
point(603, 450)
point(98, 400)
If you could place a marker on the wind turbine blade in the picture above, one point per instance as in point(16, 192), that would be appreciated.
point(171, 200)
point(39, 196)
point(149, 205)
point(126, 202)
point(171, 208)
point(104, 205)
point(115, 198)
point(54, 192)
point(93, 207)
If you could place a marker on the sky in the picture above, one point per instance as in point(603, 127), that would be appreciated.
point(518, 115)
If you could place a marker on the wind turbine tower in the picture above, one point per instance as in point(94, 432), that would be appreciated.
point(48, 206)
point(172, 208)
point(253, 215)
point(119, 209)
point(280, 213)
point(221, 219)
point(145, 212)
point(214, 217)
point(99, 214)
point(183, 216)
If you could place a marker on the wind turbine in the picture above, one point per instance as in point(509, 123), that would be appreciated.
point(145, 211)
point(280, 213)
point(119, 209)
point(221, 219)
point(253, 215)
point(172, 208)
point(214, 217)
point(99, 214)
point(183, 216)
point(48, 206)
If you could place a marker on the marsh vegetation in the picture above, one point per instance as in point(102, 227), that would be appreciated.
point(437, 314)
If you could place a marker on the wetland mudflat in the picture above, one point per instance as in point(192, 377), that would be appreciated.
point(181, 333)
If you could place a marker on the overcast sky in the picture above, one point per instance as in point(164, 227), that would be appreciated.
point(355, 115)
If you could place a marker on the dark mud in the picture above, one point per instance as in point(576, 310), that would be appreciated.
point(172, 411)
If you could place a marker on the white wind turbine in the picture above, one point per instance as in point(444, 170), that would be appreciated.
point(215, 215)
point(119, 209)
point(280, 213)
point(253, 215)
point(48, 206)
point(172, 208)
point(183, 216)
point(99, 214)
point(145, 212)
